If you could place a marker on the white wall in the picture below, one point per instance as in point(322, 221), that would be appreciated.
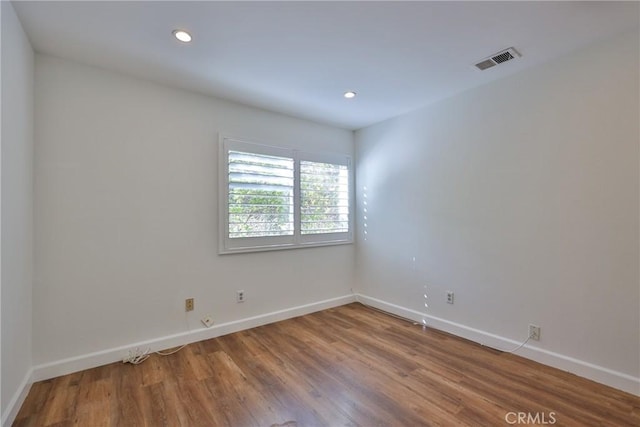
point(126, 213)
point(17, 210)
point(520, 196)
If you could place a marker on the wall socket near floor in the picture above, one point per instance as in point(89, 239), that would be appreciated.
point(449, 297)
point(188, 304)
point(534, 332)
point(240, 296)
point(207, 321)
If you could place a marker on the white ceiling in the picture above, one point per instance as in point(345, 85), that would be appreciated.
point(298, 58)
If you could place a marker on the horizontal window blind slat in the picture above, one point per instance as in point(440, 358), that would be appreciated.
point(259, 179)
point(248, 205)
point(242, 219)
point(307, 233)
point(331, 211)
point(317, 201)
point(257, 226)
point(281, 167)
point(258, 234)
point(260, 159)
point(244, 192)
point(332, 227)
point(264, 187)
point(333, 223)
point(323, 191)
point(258, 176)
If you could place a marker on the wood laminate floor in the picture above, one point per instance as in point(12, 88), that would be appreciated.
point(347, 366)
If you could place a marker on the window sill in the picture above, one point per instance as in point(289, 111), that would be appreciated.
point(280, 247)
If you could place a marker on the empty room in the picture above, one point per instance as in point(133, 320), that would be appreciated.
point(298, 213)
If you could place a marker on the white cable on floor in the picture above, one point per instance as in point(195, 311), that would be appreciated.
point(136, 357)
point(169, 353)
point(515, 349)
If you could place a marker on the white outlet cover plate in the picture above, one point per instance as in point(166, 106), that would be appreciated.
point(207, 321)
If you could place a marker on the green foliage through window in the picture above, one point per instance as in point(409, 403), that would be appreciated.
point(260, 213)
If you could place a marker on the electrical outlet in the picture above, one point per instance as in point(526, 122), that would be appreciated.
point(188, 304)
point(534, 332)
point(449, 297)
point(240, 296)
point(207, 321)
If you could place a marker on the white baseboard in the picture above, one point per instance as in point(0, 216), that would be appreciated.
point(596, 373)
point(92, 360)
point(17, 400)
point(581, 368)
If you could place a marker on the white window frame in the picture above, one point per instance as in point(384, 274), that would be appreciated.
point(227, 245)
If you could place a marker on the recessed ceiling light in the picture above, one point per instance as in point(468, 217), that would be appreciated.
point(182, 35)
point(349, 94)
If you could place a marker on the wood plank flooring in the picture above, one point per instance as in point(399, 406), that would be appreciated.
point(347, 366)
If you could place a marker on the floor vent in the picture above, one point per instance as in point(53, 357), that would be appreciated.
point(498, 58)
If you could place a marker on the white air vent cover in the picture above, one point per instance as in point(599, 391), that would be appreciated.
point(498, 58)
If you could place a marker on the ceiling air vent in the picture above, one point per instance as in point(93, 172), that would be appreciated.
point(498, 58)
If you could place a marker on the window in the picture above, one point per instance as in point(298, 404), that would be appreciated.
point(260, 192)
point(277, 198)
point(324, 198)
